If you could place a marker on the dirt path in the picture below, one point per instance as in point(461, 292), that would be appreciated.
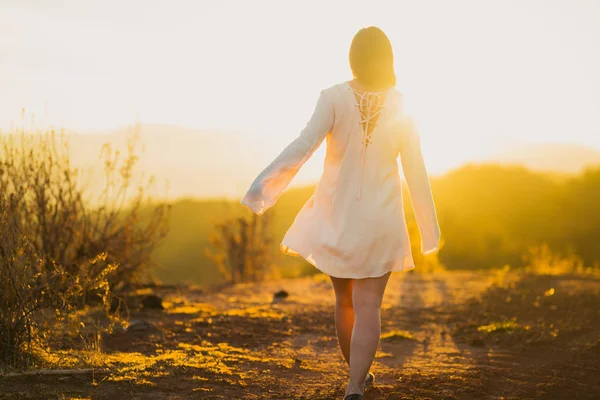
point(239, 344)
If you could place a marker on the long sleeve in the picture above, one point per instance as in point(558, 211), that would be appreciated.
point(274, 179)
point(419, 188)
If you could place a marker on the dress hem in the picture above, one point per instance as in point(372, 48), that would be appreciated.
point(291, 252)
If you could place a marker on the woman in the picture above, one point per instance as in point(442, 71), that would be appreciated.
point(353, 227)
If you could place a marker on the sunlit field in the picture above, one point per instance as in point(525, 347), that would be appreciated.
point(129, 269)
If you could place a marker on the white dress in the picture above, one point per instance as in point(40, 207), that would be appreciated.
point(354, 225)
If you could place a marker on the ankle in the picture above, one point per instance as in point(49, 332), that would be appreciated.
point(353, 388)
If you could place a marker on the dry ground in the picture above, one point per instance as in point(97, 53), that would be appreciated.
point(445, 336)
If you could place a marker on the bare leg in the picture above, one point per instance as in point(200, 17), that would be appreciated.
point(367, 297)
point(344, 313)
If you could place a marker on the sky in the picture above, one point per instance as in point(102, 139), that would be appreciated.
point(478, 75)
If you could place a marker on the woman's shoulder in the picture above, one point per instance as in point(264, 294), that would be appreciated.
point(336, 88)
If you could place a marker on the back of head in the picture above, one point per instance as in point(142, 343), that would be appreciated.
point(372, 58)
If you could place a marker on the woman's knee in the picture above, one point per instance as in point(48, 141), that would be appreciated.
point(366, 303)
point(343, 292)
point(368, 294)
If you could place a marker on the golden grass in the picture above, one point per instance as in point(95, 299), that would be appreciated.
point(398, 335)
point(220, 359)
point(509, 327)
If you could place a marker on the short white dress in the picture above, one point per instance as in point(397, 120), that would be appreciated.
point(354, 225)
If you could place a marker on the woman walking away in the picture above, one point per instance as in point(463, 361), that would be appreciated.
point(353, 227)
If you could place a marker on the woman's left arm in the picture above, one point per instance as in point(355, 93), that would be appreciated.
point(272, 181)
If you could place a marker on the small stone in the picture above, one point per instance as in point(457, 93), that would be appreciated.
point(282, 294)
point(152, 302)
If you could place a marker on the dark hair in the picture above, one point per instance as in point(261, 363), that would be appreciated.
point(372, 58)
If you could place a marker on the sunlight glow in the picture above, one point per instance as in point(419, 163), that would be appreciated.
point(480, 76)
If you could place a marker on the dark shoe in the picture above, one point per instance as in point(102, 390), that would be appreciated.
point(354, 396)
point(369, 380)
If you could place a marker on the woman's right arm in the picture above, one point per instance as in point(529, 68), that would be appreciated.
point(274, 179)
point(419, 188)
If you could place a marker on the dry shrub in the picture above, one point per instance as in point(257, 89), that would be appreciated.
point(37, 295)
point(59, 251)
point(20, 285)
point(65, 226)
point(241, 248)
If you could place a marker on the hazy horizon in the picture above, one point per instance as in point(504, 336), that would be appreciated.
point(193, 169)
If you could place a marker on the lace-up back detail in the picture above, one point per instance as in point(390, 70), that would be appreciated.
point(370, 105)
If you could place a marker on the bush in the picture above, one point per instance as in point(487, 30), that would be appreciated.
point(20, 289)
point(63, 225)
point(60, 251)
point(241, 248)
point(35, 295)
